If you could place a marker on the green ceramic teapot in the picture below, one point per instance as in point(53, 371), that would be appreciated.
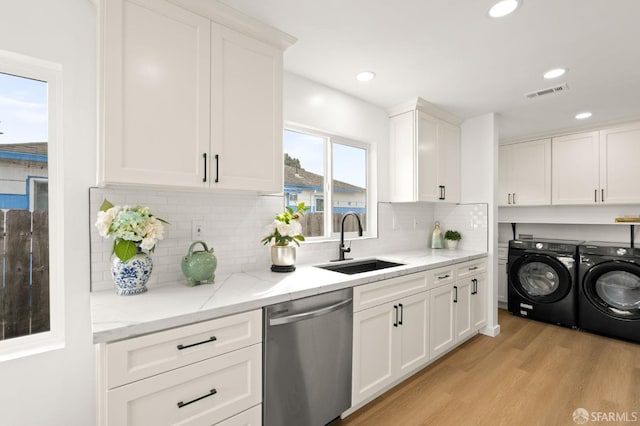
point(199, 266)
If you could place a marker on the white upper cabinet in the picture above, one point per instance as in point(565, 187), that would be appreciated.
point(424, 154)
point(186, 101)
point(524, 174)
point(619, 171)
point(576, 169)
point(246, 115)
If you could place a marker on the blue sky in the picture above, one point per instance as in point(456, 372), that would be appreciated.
point(23, 110)
point(349, 163)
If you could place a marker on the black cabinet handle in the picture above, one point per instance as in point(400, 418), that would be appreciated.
point(204, 179)
point(443, 277)
point(509, 198)
point(473, 268)
point(217, 167)
point(184, 404)
point(211, 339)
point(395, 323)
point(441, 188)
point(514, 198)
point(475, 286)
point(455, 298)
point(401, 313)
point(602, 195)
point(595, 195)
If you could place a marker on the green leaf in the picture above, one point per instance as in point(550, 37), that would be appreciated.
point(125, 250)
point(106, 205)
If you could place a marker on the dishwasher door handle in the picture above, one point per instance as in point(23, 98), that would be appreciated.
point(310, 314)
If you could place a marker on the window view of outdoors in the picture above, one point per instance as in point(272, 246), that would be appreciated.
point(24, 224)
point(306, 180)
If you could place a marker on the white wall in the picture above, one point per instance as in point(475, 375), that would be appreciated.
point(57, 388)
point(479, 184)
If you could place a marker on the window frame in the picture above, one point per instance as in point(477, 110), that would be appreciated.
point(51, 73)
point(371, 229)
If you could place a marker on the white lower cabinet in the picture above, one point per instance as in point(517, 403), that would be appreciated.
point(200, 374)
point(458, 307)
point(389, 340)
point(401, 324)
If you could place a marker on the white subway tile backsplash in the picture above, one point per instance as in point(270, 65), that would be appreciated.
point(234, 224)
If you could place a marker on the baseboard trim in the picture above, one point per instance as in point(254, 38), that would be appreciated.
point(490, 331)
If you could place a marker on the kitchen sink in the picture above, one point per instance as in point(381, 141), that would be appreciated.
point(360, 266)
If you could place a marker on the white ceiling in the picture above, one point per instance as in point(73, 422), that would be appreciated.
point(450, 53)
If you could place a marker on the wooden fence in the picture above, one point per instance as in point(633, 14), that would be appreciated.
point(313, 224)
point(24, 256)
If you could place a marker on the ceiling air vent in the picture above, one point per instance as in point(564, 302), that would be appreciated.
point(548, 91)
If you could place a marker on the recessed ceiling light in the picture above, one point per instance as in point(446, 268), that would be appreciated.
point(555, 73)
point(503, 8)
point(583, 115)
point(366, 76)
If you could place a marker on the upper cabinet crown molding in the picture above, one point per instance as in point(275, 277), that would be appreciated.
point(230, 17)
point(420, 104)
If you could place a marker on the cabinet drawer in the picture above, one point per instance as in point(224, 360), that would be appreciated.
point(251, 417)
point(384, 291)
point(473, 267)
point(144, 356)
point(203, 393)
point(442, 276)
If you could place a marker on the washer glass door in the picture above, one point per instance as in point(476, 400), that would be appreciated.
point(614, 287)
point(541, 278)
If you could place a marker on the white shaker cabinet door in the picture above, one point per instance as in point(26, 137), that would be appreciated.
point(479, 301)
point(374, 351)
point(414, 332)
point(246, 114)
point(155, 92)
point(442, 321)
point(619, 165)
point(576, 168)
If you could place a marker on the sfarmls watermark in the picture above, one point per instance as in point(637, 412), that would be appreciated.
point(582, 416)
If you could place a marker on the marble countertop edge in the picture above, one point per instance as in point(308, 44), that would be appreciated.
point(119, 317)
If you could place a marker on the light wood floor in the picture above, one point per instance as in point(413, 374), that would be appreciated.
point(531, 374)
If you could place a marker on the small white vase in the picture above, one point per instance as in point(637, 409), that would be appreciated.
point(451, 244)
point(131, 276)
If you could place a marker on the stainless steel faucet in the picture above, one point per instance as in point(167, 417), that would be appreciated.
point(343, 249)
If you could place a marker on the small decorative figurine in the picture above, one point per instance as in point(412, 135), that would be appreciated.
point(199, 266)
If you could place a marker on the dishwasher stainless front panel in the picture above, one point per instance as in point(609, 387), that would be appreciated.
point(307, 360)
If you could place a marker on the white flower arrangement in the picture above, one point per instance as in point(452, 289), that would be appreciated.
point(286, 227)
point(133, 228)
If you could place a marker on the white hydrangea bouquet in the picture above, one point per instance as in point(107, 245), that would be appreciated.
point(286, 227)
point(133, 228)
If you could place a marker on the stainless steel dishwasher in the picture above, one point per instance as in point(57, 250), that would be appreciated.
point(307, 360)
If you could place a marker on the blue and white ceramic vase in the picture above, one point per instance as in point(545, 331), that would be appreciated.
point(131, 276)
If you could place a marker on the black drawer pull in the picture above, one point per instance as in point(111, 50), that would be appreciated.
point(217, 168)
point(184, 404)
point(473, 268)
point(204, 155)
point(455, 298)
point(395, 308)
point(211, 339)
point(401, 313)
point(443, 277)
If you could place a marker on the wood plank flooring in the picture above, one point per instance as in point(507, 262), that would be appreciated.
point(531, 374)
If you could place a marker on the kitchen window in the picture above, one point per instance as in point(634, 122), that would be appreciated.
point(332, 175)
point(31, 297)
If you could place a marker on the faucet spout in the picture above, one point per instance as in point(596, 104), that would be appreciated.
point(343, 249)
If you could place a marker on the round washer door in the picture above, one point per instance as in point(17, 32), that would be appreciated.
point(614, 288)
point(541, 278)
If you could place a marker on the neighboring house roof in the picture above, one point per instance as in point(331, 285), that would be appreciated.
point(28, 151)
point(294, 176)
point(25, 148)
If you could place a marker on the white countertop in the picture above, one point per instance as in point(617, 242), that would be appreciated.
point(116, 317)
